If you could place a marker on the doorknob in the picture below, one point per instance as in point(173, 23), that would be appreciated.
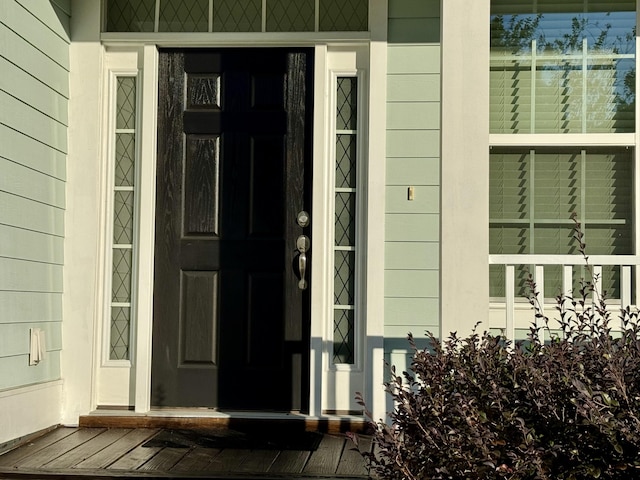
point(303, 244)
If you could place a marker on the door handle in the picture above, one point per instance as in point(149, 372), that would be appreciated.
point(303, 244)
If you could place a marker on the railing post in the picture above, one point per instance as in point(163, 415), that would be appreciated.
point(510, 300)
point(539, 279)
point(625, 286)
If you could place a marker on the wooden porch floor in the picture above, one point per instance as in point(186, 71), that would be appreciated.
point(102, 453)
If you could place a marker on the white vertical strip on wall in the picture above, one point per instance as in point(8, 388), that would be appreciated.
point(156, 18)
point(539, 280)
point(210, 24)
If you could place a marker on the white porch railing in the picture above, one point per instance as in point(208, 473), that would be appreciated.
point(508, 314)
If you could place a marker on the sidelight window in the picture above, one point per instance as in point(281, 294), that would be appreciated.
point(123, 215)
point(346, 244)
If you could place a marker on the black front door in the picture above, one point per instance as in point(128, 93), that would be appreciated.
point(231, 325)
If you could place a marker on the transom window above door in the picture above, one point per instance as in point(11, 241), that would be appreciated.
point(236, 16)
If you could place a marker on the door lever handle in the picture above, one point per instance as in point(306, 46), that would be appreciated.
point(303, 244)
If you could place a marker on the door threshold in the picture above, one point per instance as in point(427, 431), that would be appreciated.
point(203, 418)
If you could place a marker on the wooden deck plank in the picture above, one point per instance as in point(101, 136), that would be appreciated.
point(87, 449)
point(10, 458)
point(59, 448)
point(258, 461)
point(197, 460)
point(135, 458)
point(290, 461)
point(165, 459)
point(101, 453)
point(228, 460)
point(324, 461)
point(119, 448)
point(351, 461)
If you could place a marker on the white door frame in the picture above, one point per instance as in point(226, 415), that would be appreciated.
point(138, 378)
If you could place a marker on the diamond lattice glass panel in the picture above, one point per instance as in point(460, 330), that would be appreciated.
point(237, 15)
point(290, 15)
point(345, 219)
point(344, 15)
point(131, 15)
point(120, 327)
point(125, 156)
point(203, 91)
point(184, 16)
point(347, 103)
point(121, 281)
point(126, 103)
point(344, 281)
point(123, 218)
point(343, 336)
point(346, 161)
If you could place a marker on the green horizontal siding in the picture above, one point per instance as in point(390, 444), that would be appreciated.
point(421, 312)
point(54, 15)
point(29, 245)
point(413, 143)
point(414, 8)
point(411, 30)
point(19, 148)
point(35, 31)
point(29, 307)
point(426, 199)
point(28, 276)
point(413, 59)
point(14, 337)
point(410, 171)
point(25, 182)
point(412, 228)
point(413, 88)
point(407, 227)
point(34, 92)
point(33, 123)
point(28, 214)
point(412, 255)
point(413, 115)
point(16, 371)
point(412, 283)
point(29, 58)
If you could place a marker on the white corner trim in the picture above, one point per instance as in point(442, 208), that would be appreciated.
point(375, 221)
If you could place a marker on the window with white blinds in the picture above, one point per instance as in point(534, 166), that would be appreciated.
point(562, 66)
point(533, 193)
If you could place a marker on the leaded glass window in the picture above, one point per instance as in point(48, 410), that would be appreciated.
point(236, 15)
point(123, 238)
point(345, 238)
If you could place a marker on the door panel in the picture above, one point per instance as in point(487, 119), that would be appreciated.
point(231, 325)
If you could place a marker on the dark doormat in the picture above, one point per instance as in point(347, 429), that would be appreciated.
point(225, 438)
